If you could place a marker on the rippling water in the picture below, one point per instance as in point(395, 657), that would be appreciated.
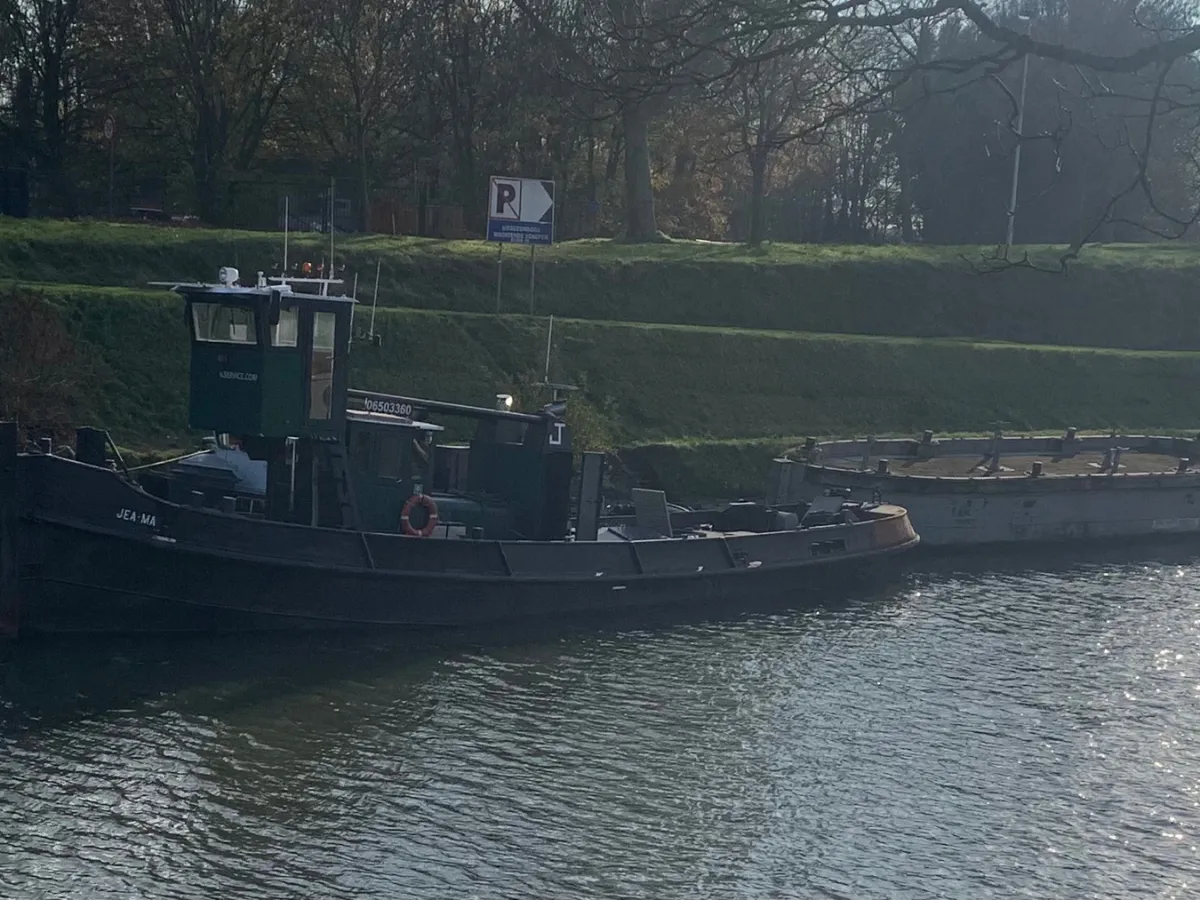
point(991, 728)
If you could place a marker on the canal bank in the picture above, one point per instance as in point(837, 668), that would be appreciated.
point(692, 408)
point(1120, 296)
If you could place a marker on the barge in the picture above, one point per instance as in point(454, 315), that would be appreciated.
point(1009, 489)
point(358, 511)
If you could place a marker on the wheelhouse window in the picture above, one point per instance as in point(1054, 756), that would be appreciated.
point(220, 324)
point(390, 454)
point(321, 382)
point(286, 332)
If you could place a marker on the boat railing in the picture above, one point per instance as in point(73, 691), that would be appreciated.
point(322, 284)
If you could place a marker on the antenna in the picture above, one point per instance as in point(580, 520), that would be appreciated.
point(558, 391)
point(354, 297)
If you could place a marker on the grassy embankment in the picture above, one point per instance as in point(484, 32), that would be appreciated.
point(693, 406)
point(1141, 297)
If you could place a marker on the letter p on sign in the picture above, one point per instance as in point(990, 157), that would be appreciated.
point(506, 199)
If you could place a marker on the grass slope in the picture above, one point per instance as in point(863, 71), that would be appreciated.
point(647, 383)
point(1142, 297)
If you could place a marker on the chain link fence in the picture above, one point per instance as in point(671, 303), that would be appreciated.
point(266, 203)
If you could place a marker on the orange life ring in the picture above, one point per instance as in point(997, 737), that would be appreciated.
point(432, 515)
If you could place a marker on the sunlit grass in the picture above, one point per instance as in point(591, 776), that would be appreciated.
point(41, 234)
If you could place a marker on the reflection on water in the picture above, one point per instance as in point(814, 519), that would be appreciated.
point(997, 726)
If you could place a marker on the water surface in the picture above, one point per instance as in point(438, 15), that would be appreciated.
point(992, 727)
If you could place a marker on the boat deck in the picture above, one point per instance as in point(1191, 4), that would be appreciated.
point(1016, 465)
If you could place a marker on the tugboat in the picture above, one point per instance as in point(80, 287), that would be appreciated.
point(361, 514)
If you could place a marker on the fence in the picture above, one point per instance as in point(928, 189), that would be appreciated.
point(338, 203)
point(266, 203)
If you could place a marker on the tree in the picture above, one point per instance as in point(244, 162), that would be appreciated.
point(356, 75)
point(632, 55)
point(209, 78)
point(42, 42)
point(1085, 134)
point(833, 119)
point(768, 103)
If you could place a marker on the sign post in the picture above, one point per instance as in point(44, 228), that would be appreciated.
point(499, 272)
point(110, 133)
point(520, 211)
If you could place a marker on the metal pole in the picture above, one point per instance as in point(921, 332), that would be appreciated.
point(549, 338)
point(499, 272)
point(375, 297)
point(286, 221)
point(112, 143)
point(332, 187)
point(532, 274)
point(1016, 175)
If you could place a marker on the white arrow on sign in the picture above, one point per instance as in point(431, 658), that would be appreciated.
point(536, 201)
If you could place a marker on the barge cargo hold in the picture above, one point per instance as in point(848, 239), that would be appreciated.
point(976, 491)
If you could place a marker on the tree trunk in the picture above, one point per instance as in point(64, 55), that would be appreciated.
point(205, 177)
point(364, 179)
point(616, 151)
point(54, 21)
point(25, 106)
point(206, 164)
point(758, 183)
point(904, 204)
point(641, 227)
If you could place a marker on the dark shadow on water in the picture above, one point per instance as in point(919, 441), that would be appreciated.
point(46, 682)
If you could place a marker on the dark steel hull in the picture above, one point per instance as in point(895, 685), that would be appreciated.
point(99, 555)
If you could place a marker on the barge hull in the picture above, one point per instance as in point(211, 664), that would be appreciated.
point(952, 501)
point(961, 521)
point(109, 584)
